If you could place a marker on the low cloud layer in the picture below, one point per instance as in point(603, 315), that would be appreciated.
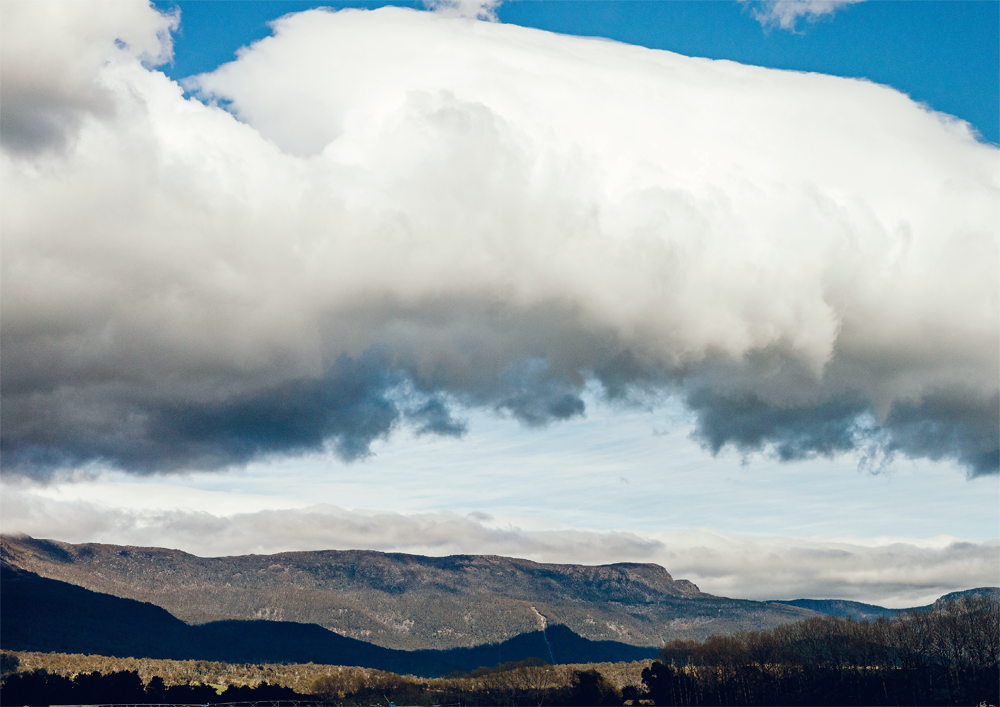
point(400, 214)
point(895, 572)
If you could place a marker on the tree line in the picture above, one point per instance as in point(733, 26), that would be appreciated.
point(527, 682)
point(39, 687)
point(947, 656)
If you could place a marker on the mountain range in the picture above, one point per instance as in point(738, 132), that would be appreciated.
point(404, 613)
point(47, 615)
point(402, 601)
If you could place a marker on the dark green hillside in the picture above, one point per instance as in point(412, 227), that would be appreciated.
point(47, 615)
point(404, 601)
point(43, 614)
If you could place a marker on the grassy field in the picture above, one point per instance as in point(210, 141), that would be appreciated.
point(300, 677)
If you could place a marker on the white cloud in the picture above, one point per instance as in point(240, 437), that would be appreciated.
point(417, 209)
point(786, 13)
point(894, 572)
point(50, 53)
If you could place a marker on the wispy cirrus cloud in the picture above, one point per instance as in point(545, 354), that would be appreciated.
point(787, 13)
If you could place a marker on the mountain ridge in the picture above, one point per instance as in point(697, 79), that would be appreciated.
point(860, 611)
point(47, 615)
point(414, 595)
point(404, 601)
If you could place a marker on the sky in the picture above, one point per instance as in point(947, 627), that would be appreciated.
point(714, 285)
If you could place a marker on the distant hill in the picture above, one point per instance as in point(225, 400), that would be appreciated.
point(866, 612)
point(404, 601)
point(47, 615)
point(977, 592)
point(843, 609)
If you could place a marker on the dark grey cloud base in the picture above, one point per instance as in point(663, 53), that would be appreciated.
point(939, 427)
point(363, 399)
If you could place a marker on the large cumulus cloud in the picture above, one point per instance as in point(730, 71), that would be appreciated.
point(398, 212)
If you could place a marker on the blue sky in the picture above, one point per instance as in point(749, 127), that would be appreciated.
point(411, 281)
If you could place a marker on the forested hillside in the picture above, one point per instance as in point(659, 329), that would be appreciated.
point(47, 615)
point(404, 601)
